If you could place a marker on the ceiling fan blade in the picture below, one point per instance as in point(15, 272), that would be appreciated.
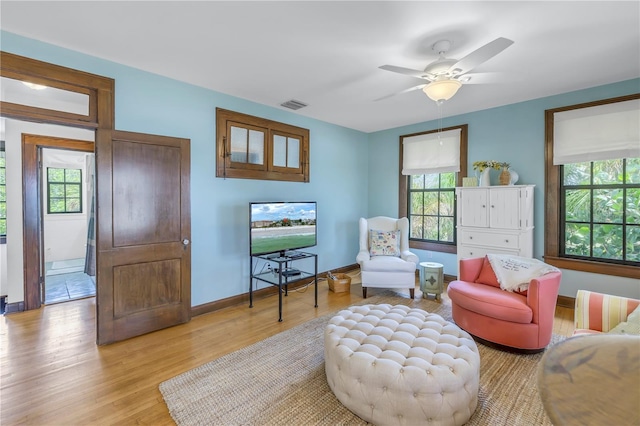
point(484, 78)
point(480, 55)
point(405, 71)
point(410, 89)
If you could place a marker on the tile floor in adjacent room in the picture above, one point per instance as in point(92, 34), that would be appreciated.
point(68, 286)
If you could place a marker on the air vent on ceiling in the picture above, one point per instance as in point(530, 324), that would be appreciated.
point(293, 104)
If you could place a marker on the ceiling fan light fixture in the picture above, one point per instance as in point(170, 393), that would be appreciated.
point(441, 90)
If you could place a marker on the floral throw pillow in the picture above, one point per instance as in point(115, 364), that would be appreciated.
point(384, 243)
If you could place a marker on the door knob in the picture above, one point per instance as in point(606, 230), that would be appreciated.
point(185, 242)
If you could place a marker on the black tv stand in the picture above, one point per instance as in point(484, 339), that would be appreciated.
point(281, 273)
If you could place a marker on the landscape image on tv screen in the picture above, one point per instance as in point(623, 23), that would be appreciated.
point(281, 226)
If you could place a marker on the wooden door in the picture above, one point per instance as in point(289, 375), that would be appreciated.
point(143, 235)
point(473, 209)
point(505, 208)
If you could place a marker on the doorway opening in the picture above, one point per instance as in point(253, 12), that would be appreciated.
point(54, 199)
point(68, 232)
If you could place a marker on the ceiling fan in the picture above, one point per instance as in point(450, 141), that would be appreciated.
point(445, 75)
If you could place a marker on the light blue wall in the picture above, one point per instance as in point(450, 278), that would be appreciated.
point(512, 133)
point(220, 208)
point(353, 174)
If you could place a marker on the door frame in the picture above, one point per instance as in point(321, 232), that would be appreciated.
point(101, 116)
point(32, 209)
point(100, 119)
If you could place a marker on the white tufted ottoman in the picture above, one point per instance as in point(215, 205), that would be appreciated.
point(402, 366)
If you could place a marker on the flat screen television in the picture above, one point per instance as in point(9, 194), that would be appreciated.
point(280, 226)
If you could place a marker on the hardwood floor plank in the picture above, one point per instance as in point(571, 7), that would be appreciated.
point(53, 373)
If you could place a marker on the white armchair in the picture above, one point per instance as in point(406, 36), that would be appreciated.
point(384, 257)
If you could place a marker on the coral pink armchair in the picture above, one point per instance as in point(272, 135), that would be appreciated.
point(523, 321)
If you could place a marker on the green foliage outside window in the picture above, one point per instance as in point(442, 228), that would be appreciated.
point(602, 210)
point(64, 190)
point(432, 207)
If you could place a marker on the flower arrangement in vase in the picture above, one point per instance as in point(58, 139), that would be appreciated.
point(484, 167)
point(486, 164)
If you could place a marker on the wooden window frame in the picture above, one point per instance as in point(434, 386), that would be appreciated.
point(403, 201)
point(553, 219)
point(287, 136)
point(20, 112)
point(225, 168)
point(249, 166)
point(65, 198)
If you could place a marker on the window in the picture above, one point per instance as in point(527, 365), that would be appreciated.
point(432, 207)
point(592, 187)
point(64, 190)
point(286, 152)
point(428, 198)
point(601, 211)
point(255, 148)
point(3, 195)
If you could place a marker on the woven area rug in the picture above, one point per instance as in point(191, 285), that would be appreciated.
point(281, 381)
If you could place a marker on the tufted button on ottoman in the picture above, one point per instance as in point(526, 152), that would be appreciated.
point(396, 365)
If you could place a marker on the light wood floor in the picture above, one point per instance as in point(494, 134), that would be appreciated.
point(52, 372)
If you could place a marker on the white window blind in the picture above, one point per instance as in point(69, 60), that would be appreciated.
point(437, 152)
point(602, 132)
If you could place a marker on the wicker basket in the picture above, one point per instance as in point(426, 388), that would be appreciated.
point(341, 283)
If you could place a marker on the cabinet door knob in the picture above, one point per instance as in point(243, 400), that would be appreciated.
point(483, 206)
point(506, 241)
point(492, 206)
point(471, 238)
point(471, 253)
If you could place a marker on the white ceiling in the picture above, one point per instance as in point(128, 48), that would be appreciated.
point(327, 54)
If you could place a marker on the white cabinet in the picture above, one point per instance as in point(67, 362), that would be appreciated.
point(495, 219)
